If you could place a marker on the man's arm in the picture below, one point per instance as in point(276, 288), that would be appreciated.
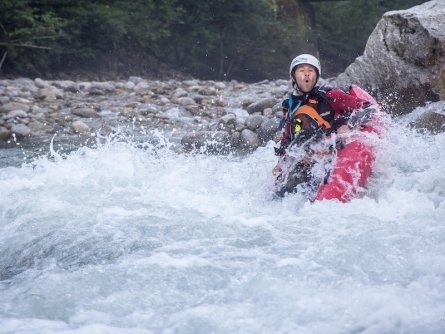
point(342, 102)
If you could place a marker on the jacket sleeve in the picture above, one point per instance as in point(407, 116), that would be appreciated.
point(342, 102)
point(286, 136)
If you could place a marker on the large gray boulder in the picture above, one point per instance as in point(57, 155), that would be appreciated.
point(404, 60)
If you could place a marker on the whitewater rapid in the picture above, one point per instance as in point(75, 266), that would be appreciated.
point(131, 237)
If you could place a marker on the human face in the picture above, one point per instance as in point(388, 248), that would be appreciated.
point(306, 77)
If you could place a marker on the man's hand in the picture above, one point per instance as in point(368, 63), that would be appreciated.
point(279, 151)
point(343, 129)
point(277, 170)
point(360, 117)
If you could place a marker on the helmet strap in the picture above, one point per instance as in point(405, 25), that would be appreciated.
point(296, 90)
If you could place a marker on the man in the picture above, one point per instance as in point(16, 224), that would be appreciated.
point(312, 112)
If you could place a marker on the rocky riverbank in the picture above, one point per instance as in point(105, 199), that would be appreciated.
point(229, 115)
point(208, 116)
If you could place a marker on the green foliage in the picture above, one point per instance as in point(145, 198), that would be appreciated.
point(226, 39)
point(26, 31)
point(214, 39)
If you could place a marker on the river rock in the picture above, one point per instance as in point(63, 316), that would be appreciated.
point(249, 140)
point(431, 121)
point(147, 108)
point(178, 93)
point(235, 139)
point(208, 91)
point(20, 130)
point(4, 133)
point(267, 130)
point(67, 86)
point(85, 112)
point(431, 118)
point(227, 122)
point(80, 127)
point(37, 127)
point(135, 79)
point(16, 114)
point(207, 141)
point(96, 90)
point(186, 101)
point(49, 93)
point(11, 106)
point(40, 83)
point(259, 106)
point(404, 58)
point(142, 86)
point(253, 122)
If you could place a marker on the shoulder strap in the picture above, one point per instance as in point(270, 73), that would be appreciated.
point(291, 111)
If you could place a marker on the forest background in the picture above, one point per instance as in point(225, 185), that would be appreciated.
point(246, 40)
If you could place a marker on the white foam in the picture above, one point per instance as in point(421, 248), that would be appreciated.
point(124, 238)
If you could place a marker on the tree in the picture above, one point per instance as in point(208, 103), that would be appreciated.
point(246, 39)
point(211, 39)
point(25, 29)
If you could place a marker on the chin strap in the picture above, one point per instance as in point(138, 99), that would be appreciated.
point(295, 90)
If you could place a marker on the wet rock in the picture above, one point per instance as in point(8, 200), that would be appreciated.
point(96, 90)
point(16, 114)
point(135, 79)
point(147, 108)
point(267, 130)
point(11, 106)
point(4, 99)
point(41, 83)
point(207, 142)
point(249, 140)
point(85, 113)
point(20, 130)
point(142, 86)
point(253, 122)
point(178, 93)
point(49, 93)
point(130, 85)
point(277, 109)
point(404, 59)
point(80, 127)
point(208, 91)
point(37, 127)
point(432, 122)
point(268, 112)
point(186, 101)
point(247, 102)
point(220, 103)
point(227, 122)
point(199, 98)
point(259, 106)
point(67, 86)
point(235, 139)
point(4, 133)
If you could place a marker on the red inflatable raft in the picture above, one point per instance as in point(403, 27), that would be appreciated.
point(354, 162)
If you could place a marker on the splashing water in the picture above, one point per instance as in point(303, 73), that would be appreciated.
point(131, 238)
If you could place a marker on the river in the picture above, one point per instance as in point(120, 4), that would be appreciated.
point(127, 236)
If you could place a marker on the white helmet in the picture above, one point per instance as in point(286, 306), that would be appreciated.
point(305, 59)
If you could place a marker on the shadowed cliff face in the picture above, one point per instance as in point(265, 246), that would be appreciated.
point(404, 59)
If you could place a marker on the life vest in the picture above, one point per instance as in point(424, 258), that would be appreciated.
point(307, 109)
